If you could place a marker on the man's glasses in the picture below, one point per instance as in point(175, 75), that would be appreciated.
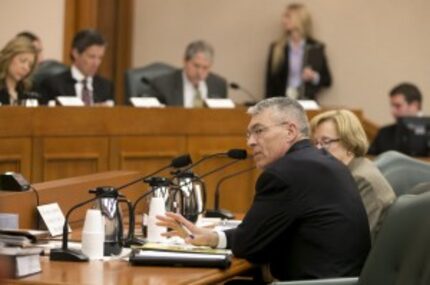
point(325, 143)
point(257, 131)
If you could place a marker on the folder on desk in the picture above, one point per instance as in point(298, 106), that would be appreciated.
point(186, 259)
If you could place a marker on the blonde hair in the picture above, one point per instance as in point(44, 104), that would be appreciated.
point(14, 47)
point(302, 19)
point(348, 127)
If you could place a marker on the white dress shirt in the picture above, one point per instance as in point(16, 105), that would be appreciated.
point(79, 77)
point(190, 91)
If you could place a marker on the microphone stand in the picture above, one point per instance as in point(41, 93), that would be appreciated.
point(132, 240)
point(236, 86)
point(222, 213)
point(143, 178)
point(64, 253)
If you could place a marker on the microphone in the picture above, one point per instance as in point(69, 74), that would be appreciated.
point(232, 153)
point(235, 86)
point(222, 213)
point(132, 239)
point(64, 253)
point(177, 162)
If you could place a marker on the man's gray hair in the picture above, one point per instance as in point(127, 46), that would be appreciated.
point(284, 108)
point(199, 46)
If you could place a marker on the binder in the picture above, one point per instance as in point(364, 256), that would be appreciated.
point(183, 259)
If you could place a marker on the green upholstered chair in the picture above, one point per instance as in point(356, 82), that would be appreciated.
point(138, 80)
point(402, 172)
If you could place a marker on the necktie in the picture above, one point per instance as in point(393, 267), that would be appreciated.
point(86, 93)
point(197, 101)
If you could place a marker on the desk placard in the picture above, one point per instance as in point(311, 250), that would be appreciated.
point(309, 104)
point(53, 218)
point(219, 103)
point(71, 101)
point(146, 102)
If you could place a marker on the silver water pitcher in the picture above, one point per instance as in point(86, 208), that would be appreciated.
point(188, 195)
point(109, 205)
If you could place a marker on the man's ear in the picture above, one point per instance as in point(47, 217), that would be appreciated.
point(415, 106)
point(292, 131)
point(75, 53)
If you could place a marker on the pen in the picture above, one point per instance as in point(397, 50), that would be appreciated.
point(186, 230)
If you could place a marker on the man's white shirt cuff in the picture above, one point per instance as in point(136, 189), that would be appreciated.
point(222, 239)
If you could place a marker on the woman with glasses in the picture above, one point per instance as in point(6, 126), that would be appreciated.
point(341, 133)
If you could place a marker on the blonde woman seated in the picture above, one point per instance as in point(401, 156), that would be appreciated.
point(17, 63)
point(340, 133)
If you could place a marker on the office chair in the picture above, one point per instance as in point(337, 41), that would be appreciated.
point(46, 69)
point(137, 80)
point(402, 172)
point(401, 252)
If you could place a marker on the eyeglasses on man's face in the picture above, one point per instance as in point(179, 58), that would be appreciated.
point(258, 130)
point(325, 142)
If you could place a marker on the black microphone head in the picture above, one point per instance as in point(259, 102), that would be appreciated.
point(234, 85)
point(145, 80)
point(181, 161)
point(237, 153)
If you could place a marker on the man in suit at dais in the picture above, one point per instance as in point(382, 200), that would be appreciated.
point(81, 80)
point(189, 86)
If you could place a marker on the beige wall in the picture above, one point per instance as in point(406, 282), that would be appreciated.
point(43, 17)
point(371, 45)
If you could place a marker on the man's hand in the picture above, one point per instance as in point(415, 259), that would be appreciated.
point(188, 231)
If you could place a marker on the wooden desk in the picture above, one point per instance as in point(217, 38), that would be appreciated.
point(122, 273)
point(70, 191)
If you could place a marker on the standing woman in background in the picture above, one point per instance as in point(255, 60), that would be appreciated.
point(17, 62)
point(297, 65)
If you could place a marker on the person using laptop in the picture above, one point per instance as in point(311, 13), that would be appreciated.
point(405, 101)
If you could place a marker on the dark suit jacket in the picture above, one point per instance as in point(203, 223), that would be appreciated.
point(169, 89)
point(63, 84)
point(306, 220)
point(4, 94)
point(386, 139)
point(276, 82)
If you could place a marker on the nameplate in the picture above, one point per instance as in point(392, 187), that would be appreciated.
point(215, 103)
point(71, 101)
point(146, 102)
point(309, 104)
point(53, 218)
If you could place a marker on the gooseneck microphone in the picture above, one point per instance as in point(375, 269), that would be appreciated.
point(232, 153)
point(132, 239)
point(177, 162)
point(222, 213)
point(64, 253)
point(254, 100)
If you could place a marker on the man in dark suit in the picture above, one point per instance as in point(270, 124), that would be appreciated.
point(81, 80)
point(405, 101)
point(307, 220)
point(188, 87)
